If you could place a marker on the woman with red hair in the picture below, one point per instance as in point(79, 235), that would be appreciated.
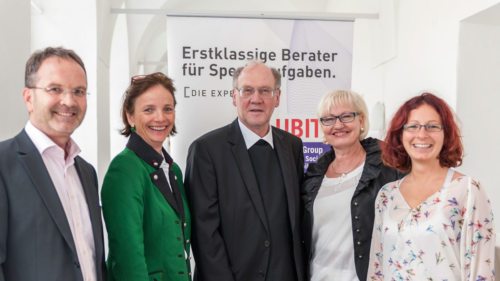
point(435, 223)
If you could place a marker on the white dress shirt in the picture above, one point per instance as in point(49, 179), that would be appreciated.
point(251, 138)
point(165, 167)
point(65, 178)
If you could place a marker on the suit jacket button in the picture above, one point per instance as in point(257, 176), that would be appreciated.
point(155, 177)
point(360, 256)
point(267, 243)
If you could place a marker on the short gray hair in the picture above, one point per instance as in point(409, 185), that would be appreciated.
point(349, 98)
point(276, 74)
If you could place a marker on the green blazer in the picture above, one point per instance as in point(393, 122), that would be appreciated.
point(149, 226)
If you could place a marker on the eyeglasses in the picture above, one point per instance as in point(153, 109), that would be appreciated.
point(138, 78)
point(344, 118)
point(246, 92)
point(59, 91)
point(430, 127)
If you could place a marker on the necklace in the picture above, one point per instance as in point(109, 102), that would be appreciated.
point(344, 173)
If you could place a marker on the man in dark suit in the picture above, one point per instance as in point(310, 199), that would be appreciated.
point(243, 185)
point(50, 220)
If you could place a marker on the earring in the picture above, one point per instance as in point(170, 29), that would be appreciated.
point(132, 128)
point(362, 129)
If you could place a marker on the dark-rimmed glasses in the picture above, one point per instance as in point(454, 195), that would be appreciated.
point(344, 118)
point(429, 127)
point(59, 91)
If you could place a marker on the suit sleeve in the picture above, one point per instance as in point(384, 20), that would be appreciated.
point(3, 228)
point(301, 178)
point(300, 161)
point(212, 262)
point(123, 206)
point(98, 224)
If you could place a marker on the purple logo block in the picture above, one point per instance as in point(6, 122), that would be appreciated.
point(312, 151)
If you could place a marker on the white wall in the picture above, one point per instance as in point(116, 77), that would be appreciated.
point(478, 100)
point(14, 51)
point(72, 24)
point(119, 67)
point(105, 32)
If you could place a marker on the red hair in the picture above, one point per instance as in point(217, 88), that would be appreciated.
point(393, 151)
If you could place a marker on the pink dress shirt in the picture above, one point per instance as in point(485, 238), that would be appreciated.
point(65, 178)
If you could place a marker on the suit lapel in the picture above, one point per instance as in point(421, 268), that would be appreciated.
point(284, 152)
point(240, 153)
point(89, 184)
point(36, 170)
point(159, 179)
point(179, 208)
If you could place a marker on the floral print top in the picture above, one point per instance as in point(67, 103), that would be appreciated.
point(449, 236)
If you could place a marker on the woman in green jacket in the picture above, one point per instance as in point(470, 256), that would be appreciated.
point(143, 197)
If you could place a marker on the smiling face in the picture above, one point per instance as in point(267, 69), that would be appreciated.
point(57, 115)
point(255, 111)
point(342, 135)
point(423, 146)
point(153, 116)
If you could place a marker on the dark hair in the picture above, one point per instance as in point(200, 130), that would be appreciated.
point(138, 85)
point(274, 71)
point(36, 59)
point(393, 152)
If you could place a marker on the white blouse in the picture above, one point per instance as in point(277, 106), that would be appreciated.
point(333, 246)
point(449, 236)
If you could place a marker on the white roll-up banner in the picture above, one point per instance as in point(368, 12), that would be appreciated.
point(314, 57)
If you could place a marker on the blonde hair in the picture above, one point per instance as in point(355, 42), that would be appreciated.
point(347, 98)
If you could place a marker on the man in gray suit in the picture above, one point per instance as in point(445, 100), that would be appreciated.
point(50, 220)
point(243, 184)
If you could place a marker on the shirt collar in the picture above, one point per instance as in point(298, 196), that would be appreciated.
point(146, 152)
point(251, 138)
point(42, 142)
